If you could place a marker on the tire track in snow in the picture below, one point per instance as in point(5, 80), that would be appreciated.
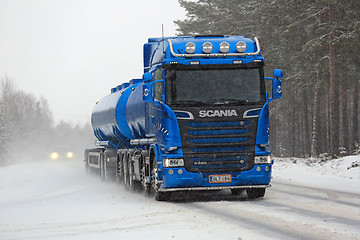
point(313, 214)
point(332, 196)
point(325, 190)
point(269, 226)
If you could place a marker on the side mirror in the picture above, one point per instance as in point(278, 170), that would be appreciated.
point(147, 76)
point(276, 89)
point(278, 73)
point(276, 85)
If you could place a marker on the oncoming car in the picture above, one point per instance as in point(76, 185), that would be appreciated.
point(61, 155)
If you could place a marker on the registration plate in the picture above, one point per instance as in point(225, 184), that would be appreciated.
point(220, 178)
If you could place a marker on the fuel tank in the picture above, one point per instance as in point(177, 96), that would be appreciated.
point(120, 116)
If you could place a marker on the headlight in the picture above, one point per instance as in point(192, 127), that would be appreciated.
point(173, 162)
point(69, 155)
point(190, 47)
point(54, 155)
point(224, 47)
point(262, 160)
point(241, 46)
point(207, 47)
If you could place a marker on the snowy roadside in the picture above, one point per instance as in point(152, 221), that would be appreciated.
point(341, 174)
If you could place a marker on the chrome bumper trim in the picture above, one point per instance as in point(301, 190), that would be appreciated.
point(211, 188)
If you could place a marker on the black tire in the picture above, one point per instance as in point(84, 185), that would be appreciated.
point(130, 165)
point(237, 191)
point(126, 170)
point(162, 196)
point(146, 185)
point(86, 161)
point(119, 170)
point(102, 167)
point(159, 196)
point(255, 192)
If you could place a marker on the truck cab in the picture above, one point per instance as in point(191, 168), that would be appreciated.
point(208, 109)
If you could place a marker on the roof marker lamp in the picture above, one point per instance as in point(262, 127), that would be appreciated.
point(241, 46)
point(190, 47)
point(207, 47)
point(224, 47)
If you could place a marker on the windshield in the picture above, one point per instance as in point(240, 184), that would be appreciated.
point(215, 86)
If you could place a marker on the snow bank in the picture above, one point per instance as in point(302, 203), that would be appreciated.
point(340, 174)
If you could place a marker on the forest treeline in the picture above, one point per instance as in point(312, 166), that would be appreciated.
point(27, 129)
point(316, 43)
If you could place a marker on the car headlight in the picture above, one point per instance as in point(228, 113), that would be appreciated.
point(69, 155)
point(173, 162)
point(54, 155)
point(262, 160)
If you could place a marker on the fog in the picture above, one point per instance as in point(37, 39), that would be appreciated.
point(73, 52)
point(28, 132)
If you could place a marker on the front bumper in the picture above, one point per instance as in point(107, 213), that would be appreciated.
point(178, 179)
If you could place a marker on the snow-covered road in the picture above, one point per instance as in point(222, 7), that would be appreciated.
point(56, 200)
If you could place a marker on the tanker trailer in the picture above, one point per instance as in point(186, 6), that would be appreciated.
point(197, 120)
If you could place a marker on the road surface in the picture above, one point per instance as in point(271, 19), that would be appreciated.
point(57, 200)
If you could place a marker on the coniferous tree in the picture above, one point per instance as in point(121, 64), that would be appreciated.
point(316, 44)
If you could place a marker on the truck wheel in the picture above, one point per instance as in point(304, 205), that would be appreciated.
point(119, 170)
point(237, 191)
point(125, 165)
point(159, 196)
point(255, 192)
point(105, 169)
point(102, 167)
point(131, 184)
point(86, 161)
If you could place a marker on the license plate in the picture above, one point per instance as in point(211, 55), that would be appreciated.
point(220, 178)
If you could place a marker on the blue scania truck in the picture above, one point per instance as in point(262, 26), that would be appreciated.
point(198, 119)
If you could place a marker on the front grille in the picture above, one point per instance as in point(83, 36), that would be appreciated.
point(218, 145)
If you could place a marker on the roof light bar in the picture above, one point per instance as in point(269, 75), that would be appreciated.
point(216, 54)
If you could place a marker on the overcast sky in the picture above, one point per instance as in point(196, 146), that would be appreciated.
point(72, 52)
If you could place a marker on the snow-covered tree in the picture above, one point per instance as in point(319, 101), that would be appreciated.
point(316, 44)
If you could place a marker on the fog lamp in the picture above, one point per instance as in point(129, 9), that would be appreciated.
point(173, 162)
point(262, 160)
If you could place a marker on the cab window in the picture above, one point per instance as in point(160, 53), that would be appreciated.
point(158, 84)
